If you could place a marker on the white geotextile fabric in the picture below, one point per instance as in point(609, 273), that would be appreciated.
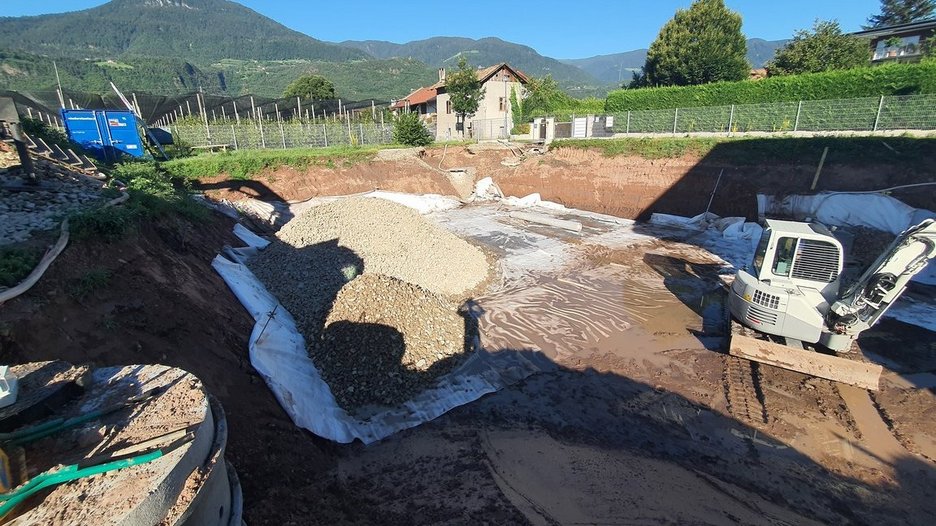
point(278, 353)
point(877, 211)
point(730, 227)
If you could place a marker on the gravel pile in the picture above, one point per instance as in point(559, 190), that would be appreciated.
point(393, 240)
point(385, 340)
point(374, 289)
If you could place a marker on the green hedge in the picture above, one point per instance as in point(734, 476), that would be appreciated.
point(892, 79)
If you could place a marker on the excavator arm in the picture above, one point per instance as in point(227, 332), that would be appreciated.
point(865, 301)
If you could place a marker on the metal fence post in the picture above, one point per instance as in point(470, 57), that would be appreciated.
point(325, 131)
point(234, 136)
point(675, 118)
point(877, 117)
point(262, 138)
point(361, 129)
point(627, 129)
point(730, 119)
point(283, 134)
point(799, 108)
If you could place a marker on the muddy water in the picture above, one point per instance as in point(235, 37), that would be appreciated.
point(590, 311)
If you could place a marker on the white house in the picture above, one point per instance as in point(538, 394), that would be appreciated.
point(493, 118)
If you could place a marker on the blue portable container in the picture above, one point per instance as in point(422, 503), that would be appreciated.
point(107, 134)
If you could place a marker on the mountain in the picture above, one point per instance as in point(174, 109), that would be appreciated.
point(356, 80)
point(446, 51)
point(618, 66)
point(614, 68)
point(760, 51)
point(198, 30)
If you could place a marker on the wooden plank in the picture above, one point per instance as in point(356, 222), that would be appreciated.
point(73, 158)
point(86, 163)
point(851, 372)
point(41, 146)
point(58, 154)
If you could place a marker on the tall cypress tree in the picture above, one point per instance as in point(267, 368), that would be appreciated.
point(699, 45)
point(895, 12)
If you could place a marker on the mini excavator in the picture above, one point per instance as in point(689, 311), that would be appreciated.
point(791, 296)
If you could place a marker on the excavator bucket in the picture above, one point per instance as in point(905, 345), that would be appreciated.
point(851, 372)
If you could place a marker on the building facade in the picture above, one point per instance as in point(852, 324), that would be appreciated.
point(900, 43)
point(494, 118)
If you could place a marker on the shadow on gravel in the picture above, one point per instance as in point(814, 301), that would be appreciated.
point(307, 281)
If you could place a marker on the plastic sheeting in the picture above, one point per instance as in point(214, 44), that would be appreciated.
point(880, 212)
point(729, 227)
point(278, 353)
point(877, 211)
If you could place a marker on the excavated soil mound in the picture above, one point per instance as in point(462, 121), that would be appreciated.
point(393, 240)
point(385, 340)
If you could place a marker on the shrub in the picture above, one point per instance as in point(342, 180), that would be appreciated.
point(16, 264)
point(891, 79)
point(39, 129)
point(408, 129)
point(108, 224)
point(153, 193)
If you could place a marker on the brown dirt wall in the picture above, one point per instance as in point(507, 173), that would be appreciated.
point(626, 186)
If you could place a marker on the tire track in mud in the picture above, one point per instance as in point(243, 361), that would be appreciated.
point(568, 315)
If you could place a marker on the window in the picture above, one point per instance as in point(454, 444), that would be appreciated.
point(761, 251)
point(502, 103)
point(783, 257)
point(448, 106)
point(895, 47)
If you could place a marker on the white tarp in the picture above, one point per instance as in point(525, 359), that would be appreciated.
point(877, 211)
point(729, 227)
point(486, 190)
point(278, 353)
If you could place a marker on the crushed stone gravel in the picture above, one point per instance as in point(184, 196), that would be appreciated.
point(385, 340)
point(394, 240)
point(374, 288)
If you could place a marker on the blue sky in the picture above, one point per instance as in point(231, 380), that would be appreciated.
point(559, 29)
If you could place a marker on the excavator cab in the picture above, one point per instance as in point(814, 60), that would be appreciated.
point(794, 276)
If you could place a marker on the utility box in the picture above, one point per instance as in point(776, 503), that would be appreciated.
point(106, 134)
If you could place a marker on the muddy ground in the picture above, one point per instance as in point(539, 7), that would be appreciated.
point(633, 426)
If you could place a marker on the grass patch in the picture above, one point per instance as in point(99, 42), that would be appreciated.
point(153, 193)
point(91, 281)
point(908, 151)
point(16, 264)
point(112, 64)
point(245, 164)
point(646, 148)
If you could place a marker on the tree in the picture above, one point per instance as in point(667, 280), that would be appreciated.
point(311, 87)
point(543, 96)
point(895, 12)
point(699, 45)
point(409, 129)
point(825, 48)
point(465, 91)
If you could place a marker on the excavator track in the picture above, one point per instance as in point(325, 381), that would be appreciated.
point(742, 381)
point(744, 399)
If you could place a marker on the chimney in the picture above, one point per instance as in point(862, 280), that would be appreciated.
point(441, 74)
